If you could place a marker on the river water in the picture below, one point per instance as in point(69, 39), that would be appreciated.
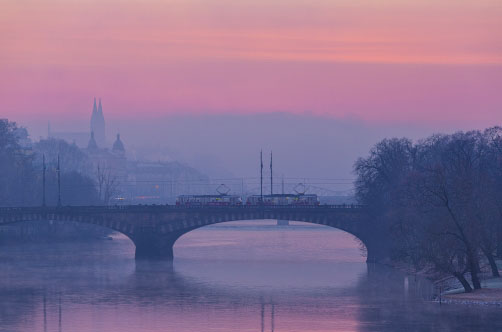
point(245, 276)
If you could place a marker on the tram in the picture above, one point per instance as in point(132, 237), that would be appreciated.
point(284, 199)
point(208, 200)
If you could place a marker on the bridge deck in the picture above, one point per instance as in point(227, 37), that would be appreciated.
point(143, 208)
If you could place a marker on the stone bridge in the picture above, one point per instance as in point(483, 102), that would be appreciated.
point(155, 229)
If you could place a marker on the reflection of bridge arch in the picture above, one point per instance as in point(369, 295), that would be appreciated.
point(155, 229)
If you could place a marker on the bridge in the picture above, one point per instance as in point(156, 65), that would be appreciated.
point(155, 228)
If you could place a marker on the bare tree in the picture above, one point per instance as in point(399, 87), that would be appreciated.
point(448, 165)
point(107, 183)
point(18, 176)
point(490, 191)
point(440, 198)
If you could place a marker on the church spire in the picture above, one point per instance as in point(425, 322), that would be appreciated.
point(98, 124)
point(100, 109)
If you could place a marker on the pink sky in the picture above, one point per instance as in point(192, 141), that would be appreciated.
point(418, 61)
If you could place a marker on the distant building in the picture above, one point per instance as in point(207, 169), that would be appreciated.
point(161, 182)
point(112, 163)
point(118, 146)
point(98, 124)
point(144, 182)
point(81, 139)
point(92, 146)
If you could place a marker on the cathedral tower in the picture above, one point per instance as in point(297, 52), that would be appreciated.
point(98, 124)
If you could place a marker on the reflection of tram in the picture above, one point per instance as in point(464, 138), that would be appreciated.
point(208, 200)
point(284, 199)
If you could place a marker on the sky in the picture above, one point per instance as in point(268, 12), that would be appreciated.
point(377, 67)
point(384, 61)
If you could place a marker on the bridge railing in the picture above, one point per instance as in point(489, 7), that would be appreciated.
point(175, 207)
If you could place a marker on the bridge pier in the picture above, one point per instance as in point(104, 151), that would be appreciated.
point(154, 247)
point(374, 256)
point(282, 222)
point(377, 246)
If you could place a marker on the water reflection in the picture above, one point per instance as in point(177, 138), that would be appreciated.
point(99, 287)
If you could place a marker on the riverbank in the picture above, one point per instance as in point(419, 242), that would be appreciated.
point(489, 294)
point(484, 296)
point(449, 289)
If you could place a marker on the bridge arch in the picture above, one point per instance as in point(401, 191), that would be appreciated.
point(165, 247)
point(98, 221)
point(290, 236)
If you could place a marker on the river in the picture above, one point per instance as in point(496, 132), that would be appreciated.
point(242, 276)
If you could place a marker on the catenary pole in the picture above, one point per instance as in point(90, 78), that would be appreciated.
point(261, 176)
point(43, 180)
point(271, 176)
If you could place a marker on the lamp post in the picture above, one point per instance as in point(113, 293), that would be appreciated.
point(59, 183)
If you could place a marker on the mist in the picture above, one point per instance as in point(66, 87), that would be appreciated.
point(228, 146)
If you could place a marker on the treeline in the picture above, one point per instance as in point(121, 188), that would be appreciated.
point(440, 199)
point(21, 171)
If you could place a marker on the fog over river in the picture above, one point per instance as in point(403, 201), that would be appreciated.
point(242, 276)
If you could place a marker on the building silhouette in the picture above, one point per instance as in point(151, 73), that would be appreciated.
point(82, 139)
point(118, 146)
point(138, 181)
point(92, 145)
point(98, 124)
